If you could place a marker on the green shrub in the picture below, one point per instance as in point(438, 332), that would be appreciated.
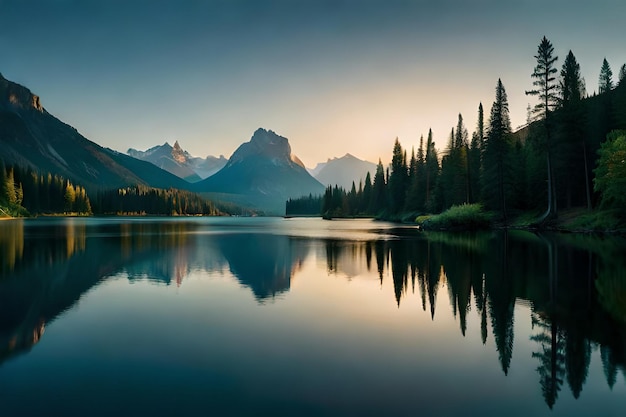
point(463, 217)
point(610, 178)
point(598, 221)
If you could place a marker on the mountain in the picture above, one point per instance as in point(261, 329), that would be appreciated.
point(343, 171)
point(32, 137)
point(317, 169)
point(264, 173)
point(179, 162)
point(205, 167)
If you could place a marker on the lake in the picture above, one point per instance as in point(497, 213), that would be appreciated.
point(306, 317)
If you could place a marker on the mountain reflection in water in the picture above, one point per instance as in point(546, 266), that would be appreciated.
point(574, 286)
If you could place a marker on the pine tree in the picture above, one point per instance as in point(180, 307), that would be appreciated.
point(462, 147)
point(379, 195)
point(453, 185)
point(573, 147)
point(571, 85)
point(432, 173)
point(544, 80)
point(10, 187)
point(546, 89)
point(421, 177)
point(480, 127)
point(351, 203)
point(622, 74)
point(70, 197)
point(410, 203)
point(417, 178)
point(446, 184)
point(495, 158)
point(398, 179)
point(474, 158)
point(606, 78)
point(367, 195)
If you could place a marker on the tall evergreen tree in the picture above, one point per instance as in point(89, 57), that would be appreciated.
point(445, 185)
point(606, 78)
point(415, 193)
point(461, 136)
point(421, 176)
point(453, 185)
point(412, 165)
point(622, 74)
point(480, 127)
point(410, 200)
point(10, 188)
point(398, 178)
point(571, 85)
point(573, 146)
point(366, 198)
point(495, 158)
point(546, 88)
point(432, 173)
point(544, 81)
point(462, 146)
point(379, 197)
point(474, 158)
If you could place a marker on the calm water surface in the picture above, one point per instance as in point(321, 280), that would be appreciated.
point(299, 317)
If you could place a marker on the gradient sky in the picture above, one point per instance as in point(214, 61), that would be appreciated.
point(331, 76)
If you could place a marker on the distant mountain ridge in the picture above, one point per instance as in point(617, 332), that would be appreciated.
point(180, 162)
point(261, 173)
point(263, 170)
point(343, 171)
point(32, 137)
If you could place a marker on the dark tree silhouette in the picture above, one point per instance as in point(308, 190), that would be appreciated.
point(572, 133)
point(622, 74)
point(606, 78)
point(398, 179)
point(495, 164)
point(474, 159)
point(379, 190)
point(546, 88)
point(432, 173)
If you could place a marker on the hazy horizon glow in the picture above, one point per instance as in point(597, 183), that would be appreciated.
point(334, 77)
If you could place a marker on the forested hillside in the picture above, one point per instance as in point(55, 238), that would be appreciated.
point(26, 192)
point(570, 154)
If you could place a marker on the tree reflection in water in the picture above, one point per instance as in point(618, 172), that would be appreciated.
point(575, 285)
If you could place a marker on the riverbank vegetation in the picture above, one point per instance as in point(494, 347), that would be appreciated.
point(24, 192)
point(463, 217)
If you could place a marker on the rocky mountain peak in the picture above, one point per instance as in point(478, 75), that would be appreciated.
point(178, 154)
point(267, 144)
point(17, 96)
point(269, 140)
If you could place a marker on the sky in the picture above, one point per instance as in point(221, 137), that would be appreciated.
point(334, 77)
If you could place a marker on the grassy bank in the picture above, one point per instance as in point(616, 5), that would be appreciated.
point(463, 217)
point(577, 220)
point(595, 221)
point(12, 210)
